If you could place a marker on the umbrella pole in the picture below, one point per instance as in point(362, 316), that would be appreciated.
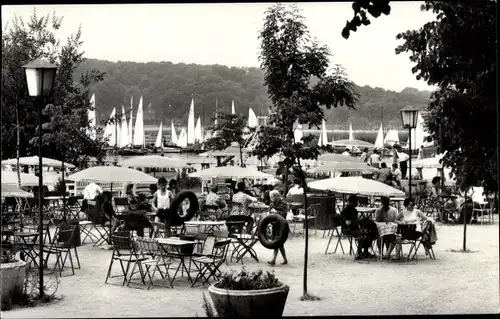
point(110, 217)
point(64, 192)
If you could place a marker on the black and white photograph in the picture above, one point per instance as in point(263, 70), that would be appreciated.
point(249, 159)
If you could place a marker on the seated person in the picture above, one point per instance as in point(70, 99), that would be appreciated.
point(173, 186)
point(411, 215)
point(129, 193)
point(364, 230)
point(386, 214)
point(214, 199)
point(108, 211)
point(241, 199)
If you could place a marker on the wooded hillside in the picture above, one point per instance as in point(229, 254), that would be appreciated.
point(167, 89)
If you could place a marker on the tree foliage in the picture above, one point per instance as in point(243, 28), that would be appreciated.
point(290, 59)
point(457, 52)
point(65, 116)
point(230, 128)
point(361, 8)
point(169, 87)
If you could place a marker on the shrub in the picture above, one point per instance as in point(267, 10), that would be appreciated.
point(244, 280)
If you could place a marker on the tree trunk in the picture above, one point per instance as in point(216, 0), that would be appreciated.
point(64, 191)
point(241, 155)
point(465, 220)
point(18, 144)
point(306, 228)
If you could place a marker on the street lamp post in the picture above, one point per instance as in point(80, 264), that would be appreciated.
point(40, 77)
point(409, 117)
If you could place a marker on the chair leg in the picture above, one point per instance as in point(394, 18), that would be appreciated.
point(109, 269)
point(77, 259)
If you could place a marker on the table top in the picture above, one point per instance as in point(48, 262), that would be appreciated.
point(53, 197)
point(365, 209)
point(25, 234)
point(302, 216)
point(175, 242)
point(258, 205)
point(205, 222)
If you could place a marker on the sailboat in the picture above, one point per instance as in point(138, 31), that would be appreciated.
point(232, 108)
point(139, 127)
point(418, 135)
point(159, 137)
point(92, 131)
point(197, 132)
point(109, 130)
point(351, 132)
point(324, 134)
point(130, 124)
point(182, 139)
point(124, 140)
point(191, 128)
point(379, 141)
point(298, 134)
point(173, 138)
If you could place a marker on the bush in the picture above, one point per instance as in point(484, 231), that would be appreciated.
point(244, 280)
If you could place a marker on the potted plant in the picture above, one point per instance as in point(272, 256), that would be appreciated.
point(12, 271)
point(247, 294)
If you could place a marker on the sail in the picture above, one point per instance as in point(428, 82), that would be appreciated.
point(124, 141)
point(351, 132)
point(190, 128)
point(395, 137)
point(252, 119)
point(419, 134)
point(173, 136)
point(197, 131)
point(109, 131)
point(379, 141)
point(130, 124)
point(182, 140)
point(232, 108)
point(298, 134)
point(92, 130)
point(320, 140)
point(324, 137)
point(139, 126)
point(159, 138)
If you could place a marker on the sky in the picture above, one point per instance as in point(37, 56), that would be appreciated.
point(227, 34)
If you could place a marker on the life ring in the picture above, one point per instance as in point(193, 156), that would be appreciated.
point(279, 224)
point(194, 205)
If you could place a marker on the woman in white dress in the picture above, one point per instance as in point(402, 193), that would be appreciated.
point(411, 215)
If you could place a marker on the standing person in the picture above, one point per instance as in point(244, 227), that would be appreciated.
point(278, 207)
point(364, 155)
point(384, 174)
point(162, 199)
point(374, 159)
point(403, 162)
point(396, 175)
point(420, 153)
point(91, 191)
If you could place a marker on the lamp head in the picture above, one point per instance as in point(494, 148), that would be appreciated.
point(40, 77)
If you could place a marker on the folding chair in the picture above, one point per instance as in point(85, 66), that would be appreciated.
point(159, 230)
point(425, 241)
point(123, 252)
point(95, 222)
point(74, 207)
point(409, 236)
point(152, 258)
point(337, 222)
point(121, 204)
point(63, 243)
point(312, 214)
point(208, 265)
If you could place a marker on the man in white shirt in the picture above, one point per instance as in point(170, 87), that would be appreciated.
point(374, 159)
point(91, 191)
point(296, 189)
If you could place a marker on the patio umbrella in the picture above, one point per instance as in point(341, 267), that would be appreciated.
point(112, 174)
point(230, 171)
point(432, 162)
point(344, 167)
point(356, 185)
point(155, 161)
point(230, 151)
point(332, 157)
point(33, 161)
point(13, 191)
point(10, 178)
point(354, 142)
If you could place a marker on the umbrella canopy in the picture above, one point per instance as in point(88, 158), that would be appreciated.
point(230, 151)
point(13, 191)
point(230, 171)
point(332, 157)
point(153, 161)
point(432, 162)
point(353, 142)
point(10, 178)
point(356, 185)
point(344, 167)
point(33, 161)
point(112, 174)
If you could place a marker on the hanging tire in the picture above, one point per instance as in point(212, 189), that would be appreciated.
point(280, 227)
point(194, 205)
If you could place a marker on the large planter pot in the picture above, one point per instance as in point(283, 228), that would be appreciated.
point(13, 275)
point(249, 303)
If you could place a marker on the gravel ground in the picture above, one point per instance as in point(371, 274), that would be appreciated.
point(455, 283)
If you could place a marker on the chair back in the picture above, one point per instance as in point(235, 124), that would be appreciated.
point(221, 248)
point(72, 201)
point(10, 204)
point(313, 210)
point(235, 227)
point(363, 201)
point(210, 207)
point(248, 222)
point(121, 204)
point(146, 246)
point(121, 241)
point(408, 231)
point(67, 235)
